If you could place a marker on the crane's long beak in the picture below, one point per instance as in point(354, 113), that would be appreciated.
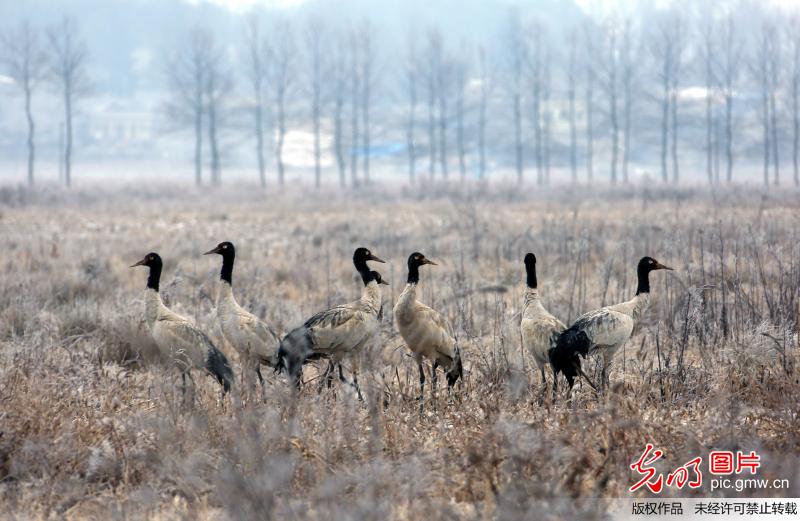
point(383, 282)
point(660, 266)
point(215, 250)
point(428, 261)
point(140, 263)
point(376, 259)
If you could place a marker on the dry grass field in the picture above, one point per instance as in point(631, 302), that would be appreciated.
point(94, 426)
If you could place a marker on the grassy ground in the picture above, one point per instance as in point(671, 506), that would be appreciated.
point(93, 425)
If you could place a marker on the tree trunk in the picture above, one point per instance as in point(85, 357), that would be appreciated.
point(31, 129)
point(338, 129)
point(729, 134)
point(462, 164)
point(262, 177)
point(198, 138)
point(410, 124)
point(674, 136)
point(443, 133)
point(796, 113)
point(612, 86)
point(665, 105)
point(776, 164)
point(68, 142)
point(709, 113)
point(573, 132)
point(355, 85)
point(589, 123)
point(315, 115)
point(281, 120)
point(216, 178)
point(431, 128)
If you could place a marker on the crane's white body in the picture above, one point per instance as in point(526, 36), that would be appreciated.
point(176, 336)
point(425, 332)
point(608, 328)
point(539, 328)
point(254, 340)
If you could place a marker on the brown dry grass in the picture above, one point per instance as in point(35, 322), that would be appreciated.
point(93, 427)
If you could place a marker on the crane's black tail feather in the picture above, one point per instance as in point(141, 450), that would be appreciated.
point(217, 364)
point(295, 349)
point(565, 356)
point(456, 369)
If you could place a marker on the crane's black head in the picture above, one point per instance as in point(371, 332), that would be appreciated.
point(530, 269)
point(362, 255)
point(225, 249)
point(153, 261)
point(360, 258)
point(646, 265)
point(415, 260)
point(228, 253)
point(377, 278)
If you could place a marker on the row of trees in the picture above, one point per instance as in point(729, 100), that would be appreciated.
point(607, 93)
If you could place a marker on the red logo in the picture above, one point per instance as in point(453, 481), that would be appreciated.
point(720, 463)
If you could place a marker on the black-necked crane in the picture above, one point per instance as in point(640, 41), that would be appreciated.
point(177, 337)
point(603, 330)
point(539, 328)
point(336, 332)
point(328, 375)
point(253, 339)
point(426, 333)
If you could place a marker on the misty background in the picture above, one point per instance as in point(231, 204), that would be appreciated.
point(342, 93)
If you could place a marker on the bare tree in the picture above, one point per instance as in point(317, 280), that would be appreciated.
point(355, 93)
point(571, 74)
point(628, 77)
point(729, 67)
point(69, 56)
point(774, 65)
point(460, 84)
point(760, 68)
point(547, 115)
point(443, 84)
point(535, 74)
point(411, 71)
point(186, 72)
point(281, 79)
point(793, 30)
point(589, 57)
point(367, 83)
point(609, 82)
point(218, 85)
point(677, 62)
point(515, 48)
point(24, 61)
point(707, 53)
point(339, 72)
point(257, 54)
point(430, 70)
point(315, 34)
point(485, 89)
point(665, 51)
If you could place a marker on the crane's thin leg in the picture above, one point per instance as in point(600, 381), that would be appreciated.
point(357, 388)
point(434, 379)
point(421, 384)
point(326, 377)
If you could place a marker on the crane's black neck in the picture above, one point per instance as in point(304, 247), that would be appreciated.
point(530, 270)
point(644, 280)
point(154, 277)
point(364, 271)
point(413, 273)
point(226, 273)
